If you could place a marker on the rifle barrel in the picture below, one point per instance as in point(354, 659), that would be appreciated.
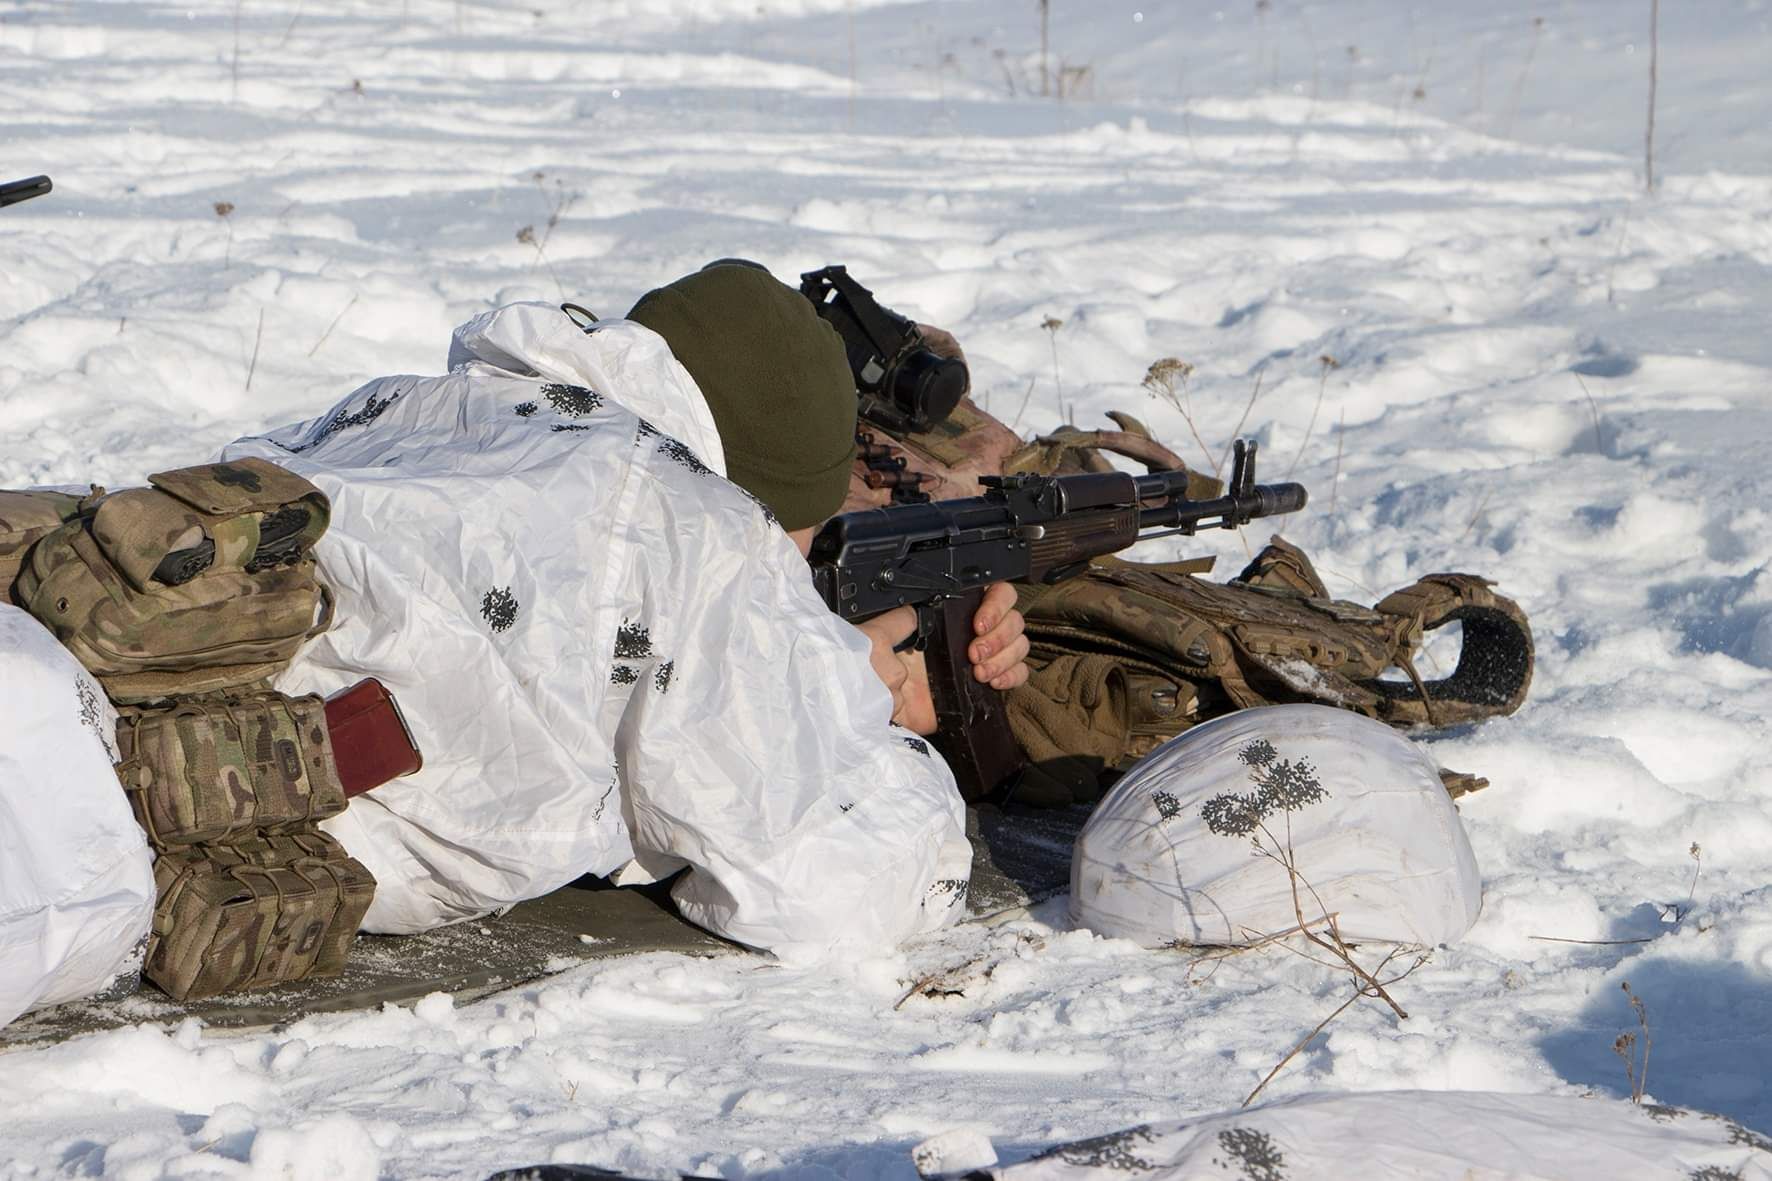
point(12, 192)
point(1229, 510)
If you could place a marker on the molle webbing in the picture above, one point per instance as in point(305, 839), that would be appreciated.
point(254, 913)
point(1184, 650)
point(221, 768)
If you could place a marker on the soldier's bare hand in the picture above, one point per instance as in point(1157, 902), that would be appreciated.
point(904, 674)
point(999, 654)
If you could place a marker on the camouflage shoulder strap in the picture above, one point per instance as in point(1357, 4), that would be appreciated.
point(26, 518)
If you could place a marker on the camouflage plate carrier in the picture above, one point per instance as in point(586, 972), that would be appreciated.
point(1129, 654)
point(183, 598)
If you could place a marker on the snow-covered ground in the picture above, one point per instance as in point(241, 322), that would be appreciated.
point(1539, 374)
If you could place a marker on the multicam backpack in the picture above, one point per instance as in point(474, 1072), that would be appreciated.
point(1129, 654)
point(201, 582)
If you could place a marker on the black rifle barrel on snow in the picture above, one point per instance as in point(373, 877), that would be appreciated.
point(14, 191)
point(940, 557)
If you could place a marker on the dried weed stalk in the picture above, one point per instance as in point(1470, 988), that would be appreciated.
point(1167, 379)
point(1284, 786)
point(557, 202)
point(1327, 362)
point(1022, 409)
point(1594, 409)
point(224, 210)
point(1654, 62)
point(1636, 1068)
point(335, 322)
point(257, 339)
point(1237, 431)
point(1052, 324)
point(1519, 90)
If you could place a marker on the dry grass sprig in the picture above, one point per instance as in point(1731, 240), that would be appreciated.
point(1237, 431)
point(1282, 787)
point(1636, 1068)
point(1045, 42)
point(1478, 515)
point(257, 338)
point(1594, 409)
point(234, 90)
point(1649, 130)
point(1052, 324)
point(224, 210)
point(1217, 955)
point(1074, 80)
point(335, 322)
point(1327, 362)
point(528, 237)
point(1167, 379)
point(557, 203)
point(1519, 90)
point(1022, 409)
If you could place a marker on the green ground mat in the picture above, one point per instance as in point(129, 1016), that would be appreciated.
point(1019, 857)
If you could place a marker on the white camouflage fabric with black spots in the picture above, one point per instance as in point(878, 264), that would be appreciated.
point(501, 538)
point(76, 877)
point(1415, 1136)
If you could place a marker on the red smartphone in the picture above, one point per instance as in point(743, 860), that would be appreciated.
point(371, 742)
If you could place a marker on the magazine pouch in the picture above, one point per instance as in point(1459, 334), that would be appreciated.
point(255, 913)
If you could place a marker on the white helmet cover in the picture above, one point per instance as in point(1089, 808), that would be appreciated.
point(1188, 847)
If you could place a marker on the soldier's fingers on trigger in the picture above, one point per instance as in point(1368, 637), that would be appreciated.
point(998, 601)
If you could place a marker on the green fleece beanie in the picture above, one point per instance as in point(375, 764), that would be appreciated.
point(775, 377)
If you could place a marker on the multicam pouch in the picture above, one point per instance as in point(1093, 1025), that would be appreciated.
point(218, 768)
point(254, 913)
point(200, 583)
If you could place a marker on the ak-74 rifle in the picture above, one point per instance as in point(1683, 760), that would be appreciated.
point(940, 557)
point(14, 191)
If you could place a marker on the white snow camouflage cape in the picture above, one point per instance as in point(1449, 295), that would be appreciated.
point(76, 877)
point(1400, 1136)
point(607, 653)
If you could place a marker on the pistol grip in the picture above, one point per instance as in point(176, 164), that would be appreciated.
point(972, 724)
